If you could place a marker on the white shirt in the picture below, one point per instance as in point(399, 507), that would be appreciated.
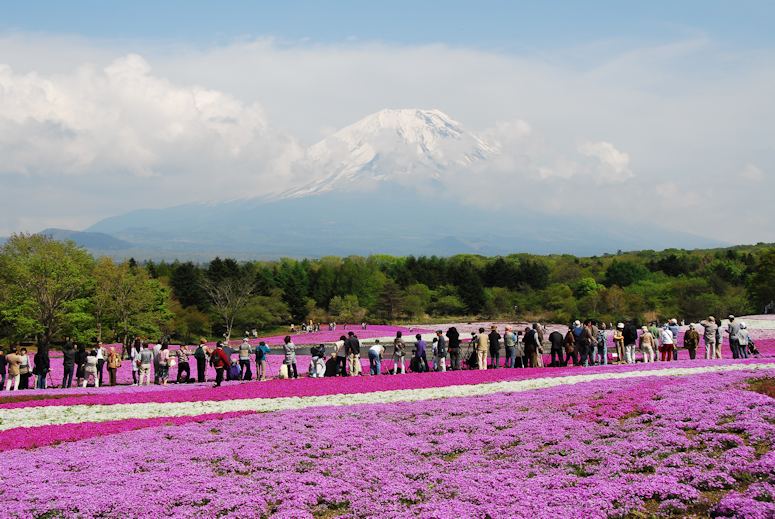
point(666, 336)
point(377, 349)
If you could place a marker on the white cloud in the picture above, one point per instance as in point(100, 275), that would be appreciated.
point(89, 129)
point(614, 164)
point(751, 172)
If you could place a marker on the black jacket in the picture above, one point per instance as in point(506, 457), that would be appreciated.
point(454, 339)
point(557, 340)
point(630, 334)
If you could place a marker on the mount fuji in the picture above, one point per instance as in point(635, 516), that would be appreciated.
point(374, 187)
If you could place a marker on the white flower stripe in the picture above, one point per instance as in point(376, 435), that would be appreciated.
point(58, 415)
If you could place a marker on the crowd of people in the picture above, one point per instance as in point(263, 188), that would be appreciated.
point(584, 344)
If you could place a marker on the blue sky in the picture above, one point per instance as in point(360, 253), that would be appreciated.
point(658, 111)
point(488, 23)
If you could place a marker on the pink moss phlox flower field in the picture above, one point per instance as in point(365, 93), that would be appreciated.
point(696, 444)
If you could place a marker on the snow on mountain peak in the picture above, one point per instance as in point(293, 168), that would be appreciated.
point(404, 145)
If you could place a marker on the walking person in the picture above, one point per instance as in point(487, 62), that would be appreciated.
point(647, 345)
point(290, 357)
point(399, 352)
point(691, 341)
point(261, 358)
point(13, 361)
point(453, 345)
point(482, 345)
point(245, 349)
point(375, 358)
point(710, 329)
point(220, 362)
point(114, 362)
point(494, 339)
point(441, 352)
point(200, 354)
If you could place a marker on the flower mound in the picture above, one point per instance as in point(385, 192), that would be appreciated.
point(651, 445)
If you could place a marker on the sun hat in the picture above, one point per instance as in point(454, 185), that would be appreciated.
point(620, 326)
point(576, 323)
point(742, 325)
point(731, 317)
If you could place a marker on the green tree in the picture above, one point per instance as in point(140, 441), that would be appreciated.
point(346, 309)
point(762, 284)
point(45, 286)
point(417, 298)
point(624, 273)
point(390, 303)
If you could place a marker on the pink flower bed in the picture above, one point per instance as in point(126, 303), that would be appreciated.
point(611, 448)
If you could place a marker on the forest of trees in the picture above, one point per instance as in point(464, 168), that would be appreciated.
point(52, 289)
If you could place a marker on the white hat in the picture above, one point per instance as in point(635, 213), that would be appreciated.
point(742, 325)
point(576, 323)
point(620, 326)
point(731, 317)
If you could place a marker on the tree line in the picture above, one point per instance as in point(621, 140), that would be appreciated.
point(53, 289)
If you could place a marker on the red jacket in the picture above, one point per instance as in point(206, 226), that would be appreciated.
point(220, 359)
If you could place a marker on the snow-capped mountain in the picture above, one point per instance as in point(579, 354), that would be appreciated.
point(406, 146)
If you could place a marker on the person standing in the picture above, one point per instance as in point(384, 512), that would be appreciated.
point(244, 360)
point(441, 352)
point(399, 352)
point(674, 329)
point(375, 358)
point(509, 342)
point(101, 355)
point(619, 342)
point(41, 369)
point(114, 362)
point(630, 335)
point(134, 359)
point(354, 351)
point(164, 364)
point(691, 340)
point(570, 348)
point(90, 369)
point(68, 364)
point(317, 366)
point(3, 367)
point(13, 360)
point(647, 345)
point(454, 348)
point(143, 361)
point(742, 341)
point(262, 351)
point(710, 329)
point(200, 354)
point(540, 343)
point(420, 354)
point(483, 344)
point(556, 341)
point(341, 355)
point(666, 338)
point(494, 339)
point(602, 346)
point(733, 329)
point(24, 369)
point(290, 357)
point(184, 368)
point(220, 362)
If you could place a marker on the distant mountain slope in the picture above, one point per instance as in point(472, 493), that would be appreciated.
point(89, 240)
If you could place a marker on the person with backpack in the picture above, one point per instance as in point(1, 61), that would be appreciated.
point(440, 359)
point(220, 362)
point(602, 347)
point(570, 348)
point(245, 349)
point(453, 345)
point(201, 360)
point(290, 357)
point(262, 351)
point(399, 351)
